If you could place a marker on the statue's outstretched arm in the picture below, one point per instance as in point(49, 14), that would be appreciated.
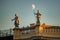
point(13, 19)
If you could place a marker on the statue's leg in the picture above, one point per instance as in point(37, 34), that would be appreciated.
point(17, 25)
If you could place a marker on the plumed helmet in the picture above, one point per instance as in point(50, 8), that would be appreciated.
point(16, 15)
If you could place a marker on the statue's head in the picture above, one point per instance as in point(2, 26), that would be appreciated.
point(37, 11)
point(16, 15)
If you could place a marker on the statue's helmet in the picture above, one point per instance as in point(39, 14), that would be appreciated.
point(37, 11)
point(16, 15)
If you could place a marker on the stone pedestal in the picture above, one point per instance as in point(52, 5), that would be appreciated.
point(16, 34)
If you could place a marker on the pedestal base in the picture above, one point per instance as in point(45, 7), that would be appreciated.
point(17, 33)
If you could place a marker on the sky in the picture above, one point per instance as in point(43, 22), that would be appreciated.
point(50, 10)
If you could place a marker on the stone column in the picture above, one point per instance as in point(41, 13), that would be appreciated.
point(16, 34)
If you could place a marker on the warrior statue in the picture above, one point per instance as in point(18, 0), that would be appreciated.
point(16, 23)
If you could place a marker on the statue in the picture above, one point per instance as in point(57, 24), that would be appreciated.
point(16, 23)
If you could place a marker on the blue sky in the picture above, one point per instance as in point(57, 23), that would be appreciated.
point(50, 10)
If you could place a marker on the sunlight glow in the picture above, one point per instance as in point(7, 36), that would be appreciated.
point(33, 6)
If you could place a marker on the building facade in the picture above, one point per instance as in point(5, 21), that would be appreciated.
point(37, 31)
